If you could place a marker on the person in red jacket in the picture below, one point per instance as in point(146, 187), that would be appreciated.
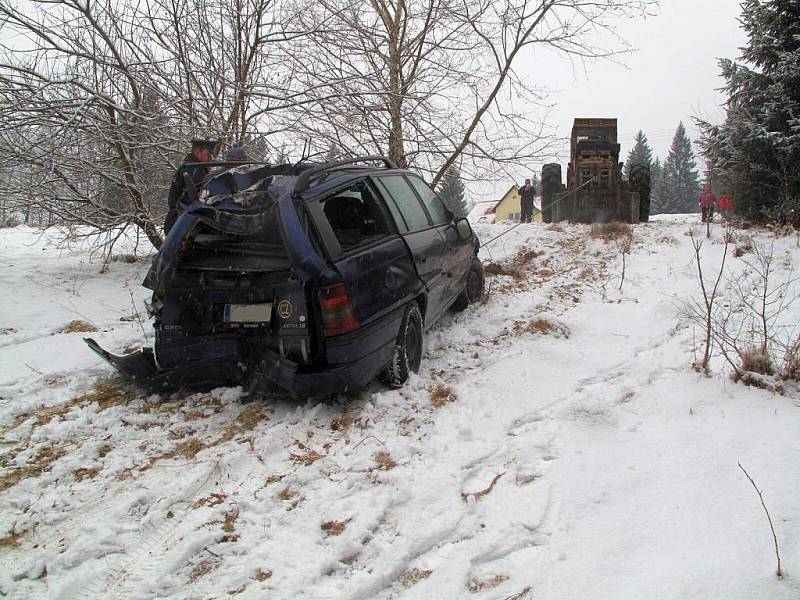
point(706, 200)
point(724, 205)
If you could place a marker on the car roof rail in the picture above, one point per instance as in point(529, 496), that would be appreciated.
point(302, 183)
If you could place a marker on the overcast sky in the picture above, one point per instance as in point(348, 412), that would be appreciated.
point(671, 77)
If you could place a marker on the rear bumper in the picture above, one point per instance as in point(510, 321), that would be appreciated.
point(232, 370)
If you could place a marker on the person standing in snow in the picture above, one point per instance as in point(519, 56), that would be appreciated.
point(724, 205)
point(202, 151)
point(706, 200)
point(526, 194)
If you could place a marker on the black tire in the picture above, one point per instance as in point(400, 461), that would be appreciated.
point(551, 185)
point(640, 182)
point(407, 354)
point(473, 291)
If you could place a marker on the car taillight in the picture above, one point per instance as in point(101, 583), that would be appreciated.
point(337, 311)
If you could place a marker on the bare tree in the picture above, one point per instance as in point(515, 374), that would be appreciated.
point(752, 328)
point(434, 83)
point(703, 312)
point(99, 98)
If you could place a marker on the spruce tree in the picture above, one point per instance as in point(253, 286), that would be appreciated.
point(451, 191)
point(756, 150)
point(640, 153)
point(657, 187)
point(679, 180)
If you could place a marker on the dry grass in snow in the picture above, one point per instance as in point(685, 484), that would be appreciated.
point(478, 585)
point(611, 231)
point(78, 326)
point(441, 394)
point(542, 327)
point(414, 576)
point(384, 461)
point(333, 528)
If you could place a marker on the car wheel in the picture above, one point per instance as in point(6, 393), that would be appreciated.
point(407, 353)
point(473, 291)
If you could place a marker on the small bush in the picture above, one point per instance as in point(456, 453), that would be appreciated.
point(755, 361)
point(791, 366)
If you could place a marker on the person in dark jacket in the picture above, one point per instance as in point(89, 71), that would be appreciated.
point(526, 194)
point(202, 151)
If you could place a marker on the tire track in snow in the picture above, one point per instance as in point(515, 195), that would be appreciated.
point(151, 547)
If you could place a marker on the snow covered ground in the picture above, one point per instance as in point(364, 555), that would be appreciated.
point(578, 456)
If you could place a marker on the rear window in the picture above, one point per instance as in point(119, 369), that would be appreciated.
point(236, 242)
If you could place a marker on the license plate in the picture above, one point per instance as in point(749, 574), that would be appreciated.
point(248, 313)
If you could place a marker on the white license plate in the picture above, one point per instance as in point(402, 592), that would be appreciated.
point(248, 313)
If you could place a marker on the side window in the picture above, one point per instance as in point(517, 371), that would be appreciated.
point(432, 202)
point(406, 201)
point(355, 217)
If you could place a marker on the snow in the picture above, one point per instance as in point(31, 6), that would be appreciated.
point(590, 461)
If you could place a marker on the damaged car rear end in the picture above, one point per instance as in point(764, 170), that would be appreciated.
point(297, 277)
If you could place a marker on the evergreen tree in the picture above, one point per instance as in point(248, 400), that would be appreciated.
point(679, 183)
point(451, 191)
point(640, 153)
point(657, 187)
point(756, 151)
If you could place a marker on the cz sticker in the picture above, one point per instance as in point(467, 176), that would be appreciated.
point(284, 309)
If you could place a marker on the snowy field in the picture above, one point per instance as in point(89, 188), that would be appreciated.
point(569, 452)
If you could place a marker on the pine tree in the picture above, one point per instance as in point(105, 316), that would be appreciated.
point(657, 186)
point(679, 182)
point(640, 153)
point(451, 191)
point(756, 150)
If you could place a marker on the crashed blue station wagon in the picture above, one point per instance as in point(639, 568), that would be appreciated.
point(313, 279)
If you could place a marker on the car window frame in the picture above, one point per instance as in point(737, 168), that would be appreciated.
point(448, 213)
point(390, 198)
point(332, 247)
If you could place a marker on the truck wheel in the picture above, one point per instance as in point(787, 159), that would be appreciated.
point(473, 291)
point(640, 181)
point(551, 184)
point(407, 353)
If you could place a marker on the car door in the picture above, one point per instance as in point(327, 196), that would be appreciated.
point(423, 238)
point(365, 248)
point(459, 251)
